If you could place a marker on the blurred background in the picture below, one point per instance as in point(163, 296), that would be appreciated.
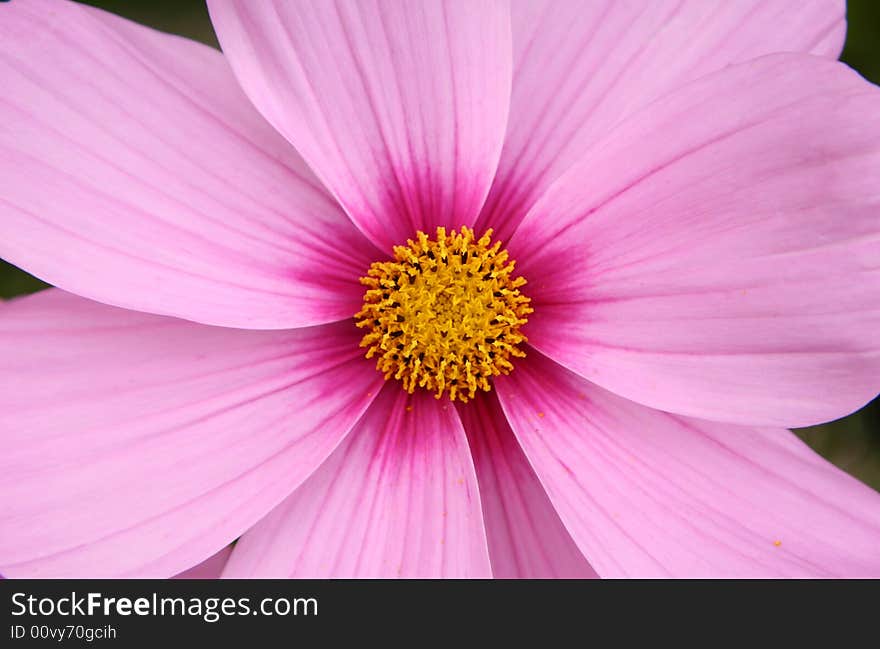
point(852, 443)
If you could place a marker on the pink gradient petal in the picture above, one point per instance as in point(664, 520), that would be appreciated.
point(650, 494)
point(210, 568)
point(399, 107)
point(526, 538)
point(719, 254)
point(138, 445)
point(398, 498)
point(581, 67)
point(134, 171)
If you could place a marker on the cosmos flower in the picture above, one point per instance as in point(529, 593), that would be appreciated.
point(600, 256)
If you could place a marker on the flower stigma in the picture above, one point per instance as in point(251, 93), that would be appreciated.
point(445, 314)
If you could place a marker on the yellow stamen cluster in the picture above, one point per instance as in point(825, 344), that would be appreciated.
point(445, 314)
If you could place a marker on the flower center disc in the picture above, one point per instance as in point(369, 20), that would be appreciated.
point(445, 314)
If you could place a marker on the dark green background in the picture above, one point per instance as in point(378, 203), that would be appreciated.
point(853, 443)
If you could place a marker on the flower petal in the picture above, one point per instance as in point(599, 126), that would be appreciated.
point(581, 67)
point(399, 107)
point(650, 494)
point(526, 538)
point(138, 445)
point(719, 255)
point(398, 498)
point(210, 568)
point(134, 171)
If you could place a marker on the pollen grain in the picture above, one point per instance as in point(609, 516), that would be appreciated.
point(445, 314)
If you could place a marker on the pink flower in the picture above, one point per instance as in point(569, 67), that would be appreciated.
point(697, 215)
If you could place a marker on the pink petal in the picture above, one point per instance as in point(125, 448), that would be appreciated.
point(580, 67)
point(399, 107)
point(138, 445)
point(526, 538)
point(649, 494)
point(134, 171)
point(210, 568)
point(398, 498)
point(719, 254)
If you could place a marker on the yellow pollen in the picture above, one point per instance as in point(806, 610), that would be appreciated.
point(445, 314)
